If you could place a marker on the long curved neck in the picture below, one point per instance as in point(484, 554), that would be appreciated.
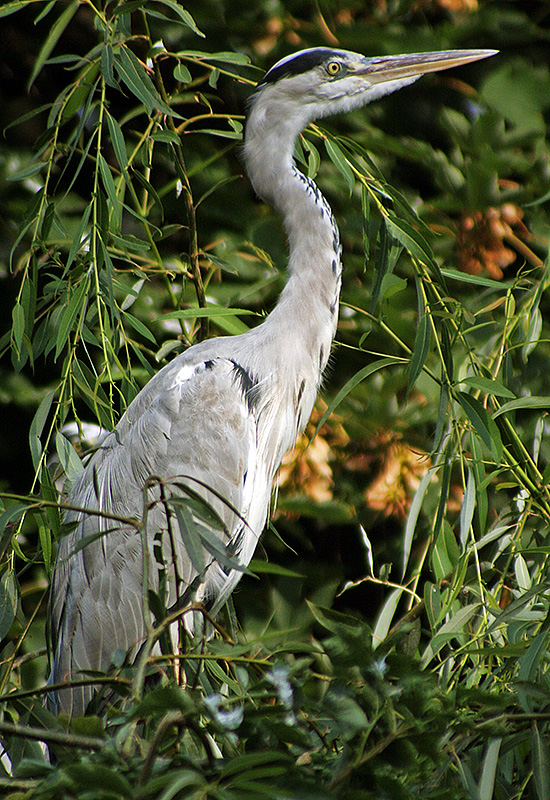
point(310, 298)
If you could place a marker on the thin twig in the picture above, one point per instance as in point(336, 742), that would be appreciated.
point(52, 737)
point(171, 719)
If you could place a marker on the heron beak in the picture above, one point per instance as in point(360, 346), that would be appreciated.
point(392, 68)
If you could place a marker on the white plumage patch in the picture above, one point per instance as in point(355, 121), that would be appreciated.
point(188, 371)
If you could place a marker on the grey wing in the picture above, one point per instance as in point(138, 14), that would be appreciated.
point(194, 423)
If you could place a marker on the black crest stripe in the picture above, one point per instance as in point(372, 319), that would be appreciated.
point(303, 62)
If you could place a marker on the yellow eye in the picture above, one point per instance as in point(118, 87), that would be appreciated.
point(333, 67)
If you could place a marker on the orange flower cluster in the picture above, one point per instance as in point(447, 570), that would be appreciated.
point(398, 479)
point(483, 237)
point(452, 6)
point(306, 469)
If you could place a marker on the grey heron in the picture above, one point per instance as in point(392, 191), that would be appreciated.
point(220, 417)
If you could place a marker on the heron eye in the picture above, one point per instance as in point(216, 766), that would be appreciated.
point(333, 67)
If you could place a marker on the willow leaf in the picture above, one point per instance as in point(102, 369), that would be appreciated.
point(413, 241)
point(483, 423)
point(364, 373)
point(183, 14)
point(55, 34)
point(421, 349)
point(468, 506)
point(132, 73)
point(70, 314)
point(336, 155)
point(523, 402)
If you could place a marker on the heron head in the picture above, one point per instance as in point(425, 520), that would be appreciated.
point(320, 81)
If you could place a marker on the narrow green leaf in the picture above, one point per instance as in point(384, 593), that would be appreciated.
point(208, 311)
point(55, 34)
point(483, 423)
point(37, 426)
point(313, 159)
point(516, 607)
point(432, 602)
point(478, 467)
point(449, 630)
point(215, 187)
point(523, 402)
point(9, 596)
point(443, 418)
point(540, 761)
point(447, 350)
point(443, 495)
point(184, 15)
point(107, 66)
point(45, 535)
point(168, 137)
point(150, 190)
point(213, 78)
point(180, 780)
point(130, 243)
point(138, 325)
point(11, 8)
point(478, 280)
point(412, 240)
point(270, 568)
point(468, 506)
point(134, 75)
point(110, 189)
point(333, 621)
point(68, 457)
point(18, 326)
point(189, 534)
point(27, 172)
point(533, 333)
point(231, 325)
point(80, 236)
point(128, 7)
point(489, 770)
point(225, 57)
point(30, 114)
point(234, 135)
point(86, 775)
point(385, 618)
point(219, 551)
point(336, 155)
point(72, 175)
point(10, 515)
point(363, 373)
point(117, 140)
point(381, 264)
point(466, 776)
point(445, 553)
point(420, 351)
point(488, 386)
point(412, 517)
point(248, 761)
point(81, 93)
point(530, 660)
point(71, 312)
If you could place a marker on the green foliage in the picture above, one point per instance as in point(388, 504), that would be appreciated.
point(410, 661)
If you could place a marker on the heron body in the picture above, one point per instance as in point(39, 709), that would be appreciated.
point(222, 414)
